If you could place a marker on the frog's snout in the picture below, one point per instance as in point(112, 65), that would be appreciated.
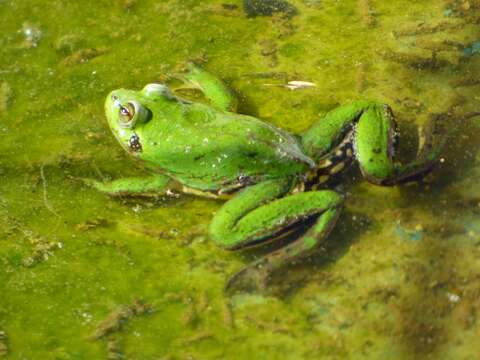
point(112, 101)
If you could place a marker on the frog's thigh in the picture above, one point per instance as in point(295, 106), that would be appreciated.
point(234, 228)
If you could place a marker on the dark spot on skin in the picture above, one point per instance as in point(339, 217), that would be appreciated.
point(134, 143)
point(377, 150)
point(196, 158)
point(252, 154)
point(244, 179)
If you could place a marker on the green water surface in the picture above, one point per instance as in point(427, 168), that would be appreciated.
point(399, 276)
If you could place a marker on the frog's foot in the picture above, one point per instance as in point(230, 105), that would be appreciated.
point(432, 137)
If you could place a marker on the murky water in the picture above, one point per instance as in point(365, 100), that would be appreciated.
point(84, 276)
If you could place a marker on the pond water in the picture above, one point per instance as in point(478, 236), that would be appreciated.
point(85, 276)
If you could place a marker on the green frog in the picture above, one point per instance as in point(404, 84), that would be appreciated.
point(272, 181)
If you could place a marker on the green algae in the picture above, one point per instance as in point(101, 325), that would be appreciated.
point(69, 256)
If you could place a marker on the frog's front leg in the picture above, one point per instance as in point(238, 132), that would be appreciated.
point(212, 87)
point(148, 185)
point(264, 211)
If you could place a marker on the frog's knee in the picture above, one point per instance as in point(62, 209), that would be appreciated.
point(224, 241)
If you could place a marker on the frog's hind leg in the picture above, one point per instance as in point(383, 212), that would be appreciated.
point(263, 212)
point(366, 131)
point(329, 142)
point(212, 87)
point(374, 148)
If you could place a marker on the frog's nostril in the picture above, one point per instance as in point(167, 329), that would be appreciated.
point(114, 97)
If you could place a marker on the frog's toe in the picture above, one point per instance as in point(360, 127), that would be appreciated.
point(249, 279)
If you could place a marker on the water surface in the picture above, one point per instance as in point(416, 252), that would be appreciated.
point(398, 278)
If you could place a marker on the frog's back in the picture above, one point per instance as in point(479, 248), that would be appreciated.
point(209, 149)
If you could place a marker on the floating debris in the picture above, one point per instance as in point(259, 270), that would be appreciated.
point(361, 78)
point(114, 351)
point(84, 55)
point(417, 61)
point(267, 75)
point(297, 84)
point(294, 84)
point(465, 81)
point(93, 224)
point(445, 45)
point(229, 10)
point(114, 321)
point(68, 44)
point(3, 344)
point(32, 35)
point(366, 12)
point(227, 314)
point(415, 235)
point(6, 96)
point(42, 250)
point(473, 49)
point(454, 298)
point(268, 48)
point(423, 28)
point(128, 4)
point(313, 3)
point(268, 8)
point(190, 315)
point(197, 338)
point(45, 194)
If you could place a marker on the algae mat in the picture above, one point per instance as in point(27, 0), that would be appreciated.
point(83, 276)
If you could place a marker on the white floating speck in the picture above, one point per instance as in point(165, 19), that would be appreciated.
point(297, 84)
point(453, 297)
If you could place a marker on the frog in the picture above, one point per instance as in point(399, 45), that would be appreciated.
point(272, 181)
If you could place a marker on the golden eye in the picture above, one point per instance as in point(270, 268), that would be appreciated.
point(132, 113)
point(127, 113)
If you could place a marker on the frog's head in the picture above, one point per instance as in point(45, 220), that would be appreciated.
point(128, 111)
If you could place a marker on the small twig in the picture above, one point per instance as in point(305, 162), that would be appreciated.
point(97, 170)
point(45, 197)
point(470, 115)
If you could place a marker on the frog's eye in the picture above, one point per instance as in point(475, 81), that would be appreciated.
point(126, 114)
point(132, 113)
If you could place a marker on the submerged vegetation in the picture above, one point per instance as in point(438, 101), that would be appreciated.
point(398, 278)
